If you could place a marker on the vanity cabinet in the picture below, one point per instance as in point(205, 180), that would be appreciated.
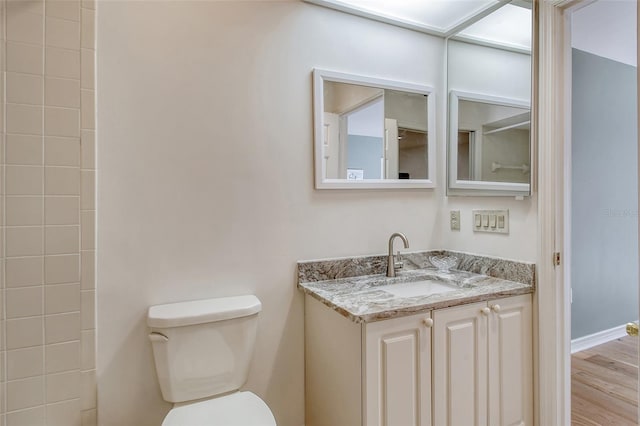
point(482, 363)
point(397, 371)
point(473, 362)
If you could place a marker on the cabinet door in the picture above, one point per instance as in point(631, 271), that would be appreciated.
point(460, 365)
point(397, 369)
point(510, 362)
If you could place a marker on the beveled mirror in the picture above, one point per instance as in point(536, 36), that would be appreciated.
point(372, 133)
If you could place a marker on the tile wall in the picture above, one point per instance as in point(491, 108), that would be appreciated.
point(47, 332)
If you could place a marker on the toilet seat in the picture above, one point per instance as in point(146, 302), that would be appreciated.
point(236, 409)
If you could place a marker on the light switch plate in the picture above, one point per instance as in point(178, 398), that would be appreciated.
point(454, 219)
point(493, 221)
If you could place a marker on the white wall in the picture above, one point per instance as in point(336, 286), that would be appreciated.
point(205, 180)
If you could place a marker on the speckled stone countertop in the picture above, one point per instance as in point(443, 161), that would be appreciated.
point(345, 286)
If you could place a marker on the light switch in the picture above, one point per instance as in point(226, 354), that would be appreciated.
point(491, 221)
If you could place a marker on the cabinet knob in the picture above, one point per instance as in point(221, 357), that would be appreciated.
point(496, 308)
point(428, 322)
point(485, 311)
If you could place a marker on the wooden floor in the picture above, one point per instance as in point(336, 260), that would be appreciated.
point(604, 384)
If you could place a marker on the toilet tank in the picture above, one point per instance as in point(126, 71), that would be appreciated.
point(203, 348)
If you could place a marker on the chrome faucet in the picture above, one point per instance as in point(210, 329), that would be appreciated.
point(392, 265)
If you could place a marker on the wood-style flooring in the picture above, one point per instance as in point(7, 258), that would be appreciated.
point(604, 384)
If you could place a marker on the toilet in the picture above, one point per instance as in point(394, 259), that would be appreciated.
point(202, 351)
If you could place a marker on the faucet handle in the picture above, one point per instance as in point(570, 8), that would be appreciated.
point(398, 264)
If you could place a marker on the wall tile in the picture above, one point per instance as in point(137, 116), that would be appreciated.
point(88, 340)
point(24, 210)
point(88, 29)
point(62, 151)
point(61, 269)
point(64, 9)
point(62, 328)
point(24, 271)
point(62, 210)
point(90, 417)
point(88, 312)
point(88, 101)
point(62, 92)
point(87, 197)
point(24, 119)
point(62, 181)
point(24, 241)
point(62, 239)
point(88, 149)
point(62, 357)
point(23, 302)
point(24, 332)
point(25, 6)
point(88, 229)
point(65, 413)
point(89, 4)
point(62, 33)
point(24, 26)
point(63, 386)
point(87, 68)
point(23, 180)
point(62, 63)
point(62, 298)
point(29, 417)
point(26, 58)
point(24, 149)
point(87, 279)
point(24, 363)
point(24, 393)
point(89, 396)
point(61, 122)
point(24, 88)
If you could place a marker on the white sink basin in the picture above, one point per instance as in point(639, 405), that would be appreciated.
point(417, 288)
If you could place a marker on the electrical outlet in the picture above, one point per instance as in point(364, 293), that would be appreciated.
point(454, 219)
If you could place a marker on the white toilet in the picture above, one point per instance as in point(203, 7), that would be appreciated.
point(202, 351)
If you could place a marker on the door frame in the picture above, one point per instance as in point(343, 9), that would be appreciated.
point(552, 343)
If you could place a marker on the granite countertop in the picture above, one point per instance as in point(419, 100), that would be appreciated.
point(361, 298)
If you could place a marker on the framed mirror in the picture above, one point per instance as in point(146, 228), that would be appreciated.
point(489, 104)
point(372, 133)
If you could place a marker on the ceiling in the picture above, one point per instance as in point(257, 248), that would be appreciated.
point(502, 23)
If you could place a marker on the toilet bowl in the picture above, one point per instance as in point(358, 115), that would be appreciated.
point(202, 351)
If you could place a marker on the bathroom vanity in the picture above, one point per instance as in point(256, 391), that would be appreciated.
point(423, 348)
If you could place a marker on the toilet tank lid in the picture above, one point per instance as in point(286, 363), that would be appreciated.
point(202, 311)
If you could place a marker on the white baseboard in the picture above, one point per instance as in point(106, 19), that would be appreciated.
point(595, 339)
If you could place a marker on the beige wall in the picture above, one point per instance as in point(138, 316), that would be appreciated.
point(48, 292)
point(205, 189)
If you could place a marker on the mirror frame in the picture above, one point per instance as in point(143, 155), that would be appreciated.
point(321, 182)
point(480, 188)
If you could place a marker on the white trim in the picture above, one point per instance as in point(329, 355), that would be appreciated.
point(595, 339)
point(553, 400)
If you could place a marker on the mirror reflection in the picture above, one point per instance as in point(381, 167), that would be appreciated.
point(489, 84)
point(372, 133)
point(493, 142)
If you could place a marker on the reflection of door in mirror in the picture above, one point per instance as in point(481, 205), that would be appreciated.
point(353, 131)
point(373, 133)
point(466, 154)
